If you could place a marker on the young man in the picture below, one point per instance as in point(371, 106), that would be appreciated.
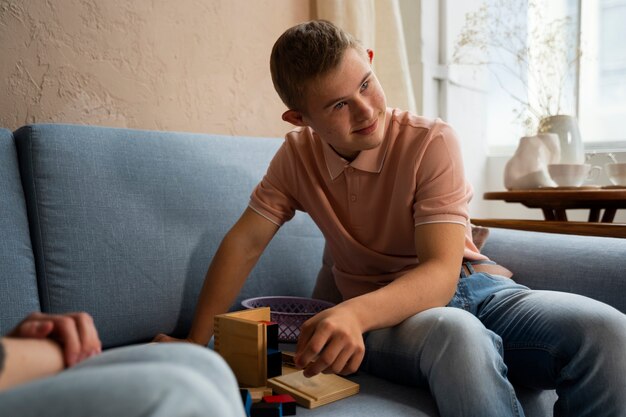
point(387, 189)
point(51, 365)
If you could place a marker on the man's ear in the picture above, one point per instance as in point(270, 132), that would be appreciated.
point(294, 117)
point(370, 53)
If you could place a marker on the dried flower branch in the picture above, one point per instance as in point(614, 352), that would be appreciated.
point(513, 36)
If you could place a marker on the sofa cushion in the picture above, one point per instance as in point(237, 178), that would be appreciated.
point(18, 283)
point(126, 223)
point(378, 397)
point(586, 265)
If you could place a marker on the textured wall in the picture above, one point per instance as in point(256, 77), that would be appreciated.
point(188, 65)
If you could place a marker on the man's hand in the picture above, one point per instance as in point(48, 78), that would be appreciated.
point(74, 332)
point(330, 342)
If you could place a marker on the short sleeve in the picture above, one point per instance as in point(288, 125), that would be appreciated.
point(442, 193)
point(275, 196)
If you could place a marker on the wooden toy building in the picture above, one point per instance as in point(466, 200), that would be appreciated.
point(248, 341)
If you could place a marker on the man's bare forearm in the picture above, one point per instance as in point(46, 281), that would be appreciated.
point(425, 287)
point(430, 284)
point(29, 359)
point(235, 258)
point(222, 283)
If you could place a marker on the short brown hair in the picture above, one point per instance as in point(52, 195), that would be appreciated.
point(304, 52)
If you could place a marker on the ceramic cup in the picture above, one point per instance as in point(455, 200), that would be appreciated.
point(616, 173)
point(572, 175)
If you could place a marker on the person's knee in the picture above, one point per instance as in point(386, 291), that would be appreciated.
point(586, 325)
point(604, 333)
point(436, 327)
point(455, 327)
point(442, 340)
point(196, 357)
point(188, 393)
point(457, 343)
point(610, 326)
point(203, 361)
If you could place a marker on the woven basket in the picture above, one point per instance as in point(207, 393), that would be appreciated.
point(289, 312)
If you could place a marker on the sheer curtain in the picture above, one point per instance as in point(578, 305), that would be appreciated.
point(378, 25)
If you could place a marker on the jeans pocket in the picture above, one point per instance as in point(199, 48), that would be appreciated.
point(474, 290)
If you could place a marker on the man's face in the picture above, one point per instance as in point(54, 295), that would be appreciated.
point(346, 107)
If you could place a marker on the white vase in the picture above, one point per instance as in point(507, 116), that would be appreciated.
point(566, 127)
point(528, 167)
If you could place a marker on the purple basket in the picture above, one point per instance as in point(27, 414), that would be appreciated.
point(289, 312)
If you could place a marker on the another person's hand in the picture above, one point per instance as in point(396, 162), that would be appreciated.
point(330, 342)
point(74, 332)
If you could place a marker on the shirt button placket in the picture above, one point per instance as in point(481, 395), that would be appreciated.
point(350, 183)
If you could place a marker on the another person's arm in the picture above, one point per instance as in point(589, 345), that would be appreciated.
point(45, 344)
point(332, 340)
point(238, 253)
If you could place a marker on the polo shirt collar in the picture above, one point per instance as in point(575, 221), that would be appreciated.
point(370, 160)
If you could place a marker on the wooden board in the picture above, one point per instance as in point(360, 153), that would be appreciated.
point(315, 391)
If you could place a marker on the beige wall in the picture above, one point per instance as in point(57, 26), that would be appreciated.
point(188, 65)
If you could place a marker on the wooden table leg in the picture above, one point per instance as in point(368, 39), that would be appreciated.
point(609, 215)
point(561, 215)
point(548, 214)
point(594, 215)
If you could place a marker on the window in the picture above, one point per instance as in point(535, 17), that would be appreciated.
point(602, 97)
point(598, 82)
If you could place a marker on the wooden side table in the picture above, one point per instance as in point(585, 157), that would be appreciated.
point(567, 228)
point(555, 201)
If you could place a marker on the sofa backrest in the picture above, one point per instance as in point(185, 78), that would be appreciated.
point(587, 265)
point(18, 282)
point(124, 223)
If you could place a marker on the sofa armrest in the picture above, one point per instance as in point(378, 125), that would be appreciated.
point(586, 265)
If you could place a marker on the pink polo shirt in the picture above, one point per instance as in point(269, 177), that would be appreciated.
point(367, 209)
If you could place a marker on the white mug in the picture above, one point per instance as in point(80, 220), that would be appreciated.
point(616, 173)
point(572, 175)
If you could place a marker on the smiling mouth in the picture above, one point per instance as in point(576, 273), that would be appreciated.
point(367, 130)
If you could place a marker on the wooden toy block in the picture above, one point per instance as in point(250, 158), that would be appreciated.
point(257, 393)
point(248, 341)
point(274, 363)
point(242, 343)
point(272, 334)
point(288, 402)
point(252, 314)
point(315, 391)
point(267, 410)
point(247, 400)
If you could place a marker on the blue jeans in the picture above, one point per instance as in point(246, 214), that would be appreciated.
point(157, 380)
point(494, 333)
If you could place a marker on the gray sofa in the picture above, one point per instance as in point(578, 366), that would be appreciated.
point(123, 224)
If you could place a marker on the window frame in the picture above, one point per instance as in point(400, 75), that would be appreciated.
point(587, 11)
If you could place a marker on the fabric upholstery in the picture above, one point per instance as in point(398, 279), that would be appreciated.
point(18, 285)
point(126, 222)
point(545, 261)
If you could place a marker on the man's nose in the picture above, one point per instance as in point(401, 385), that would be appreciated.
point(363, 110)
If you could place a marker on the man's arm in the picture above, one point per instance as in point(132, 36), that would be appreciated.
point(44, 344)
point(332, 340)
point(29, 359)
point(238, 253)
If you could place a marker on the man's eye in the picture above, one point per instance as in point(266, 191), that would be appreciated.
point(365, 85)
point(339, 106)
